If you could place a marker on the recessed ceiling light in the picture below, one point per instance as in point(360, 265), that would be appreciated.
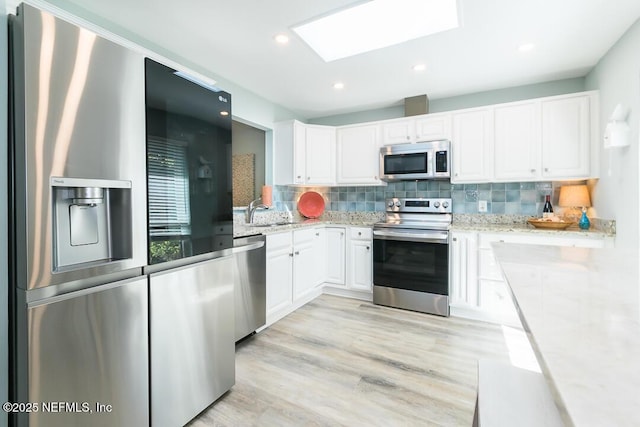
point(419, 67)
point(281, 38)
point(376, 24)
point(526, 47)
point(338, 85)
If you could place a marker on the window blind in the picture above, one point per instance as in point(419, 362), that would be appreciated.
point(168, 188)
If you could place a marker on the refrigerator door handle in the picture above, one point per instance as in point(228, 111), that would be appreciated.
point(81, 292)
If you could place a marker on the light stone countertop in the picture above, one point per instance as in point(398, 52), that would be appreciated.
point(572, 231)
point(581, 310)
point(240, 230)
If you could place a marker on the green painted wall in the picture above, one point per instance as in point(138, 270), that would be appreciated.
point(616, 195)
point(479, 99)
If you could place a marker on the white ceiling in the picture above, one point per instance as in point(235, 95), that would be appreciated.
point(234, 40)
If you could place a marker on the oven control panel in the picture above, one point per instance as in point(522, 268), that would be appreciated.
point(421, 205)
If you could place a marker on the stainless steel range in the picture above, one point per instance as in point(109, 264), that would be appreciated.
point(411, 255)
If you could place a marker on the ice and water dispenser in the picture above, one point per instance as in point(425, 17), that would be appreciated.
point(91, 222)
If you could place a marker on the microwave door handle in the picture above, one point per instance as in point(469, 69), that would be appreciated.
point(430, 170)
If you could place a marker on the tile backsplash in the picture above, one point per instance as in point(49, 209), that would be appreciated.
point(521, 198)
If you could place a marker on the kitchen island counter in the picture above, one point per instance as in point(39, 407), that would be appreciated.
point(581, 310)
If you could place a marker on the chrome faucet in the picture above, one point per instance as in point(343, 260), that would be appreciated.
point(251, 209)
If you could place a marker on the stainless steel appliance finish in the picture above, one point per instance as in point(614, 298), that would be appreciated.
point(421, 160)
point(78, 210)
point(411, 256)
point(86, 348)
point(192, 339)
point(78, 114)
point(250, 284)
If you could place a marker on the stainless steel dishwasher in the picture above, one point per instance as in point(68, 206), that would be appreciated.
point(250, 284)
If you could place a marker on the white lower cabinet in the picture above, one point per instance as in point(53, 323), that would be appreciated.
point(477, 287)
point(336, 259)
point(295, 267)
point(349, 262)
point(360, 260)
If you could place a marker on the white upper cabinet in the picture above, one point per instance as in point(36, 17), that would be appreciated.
point(548, 138)
point(566, 138)
point(304, 154)
point(433, 127)
point(320, 154)
point(517, 142)
point(398, 131)
point(552, 138)
point(472, 146)
point(358, 150)
point(428, 127)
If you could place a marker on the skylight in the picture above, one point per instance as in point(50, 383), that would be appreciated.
point(377, 24)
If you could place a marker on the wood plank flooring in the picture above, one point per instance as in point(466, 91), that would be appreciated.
point(345, 362)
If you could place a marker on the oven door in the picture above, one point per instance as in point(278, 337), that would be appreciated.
point(415, 260)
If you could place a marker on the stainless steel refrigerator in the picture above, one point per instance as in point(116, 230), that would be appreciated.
point(79, 309)
point(191, 287)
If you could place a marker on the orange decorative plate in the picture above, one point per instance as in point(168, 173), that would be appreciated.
point(549, 225)
point(311, 204)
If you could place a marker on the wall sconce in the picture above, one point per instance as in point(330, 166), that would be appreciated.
point(617, 132)
point(576, 196)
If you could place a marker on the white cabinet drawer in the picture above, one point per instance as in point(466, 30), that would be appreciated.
point(279, 240)
point(360, 233)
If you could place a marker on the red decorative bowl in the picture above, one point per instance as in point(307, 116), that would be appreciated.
point(311, 204)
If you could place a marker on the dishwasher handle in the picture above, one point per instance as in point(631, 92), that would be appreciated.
point(249, 247)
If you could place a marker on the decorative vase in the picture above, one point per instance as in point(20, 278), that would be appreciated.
point(584, 223)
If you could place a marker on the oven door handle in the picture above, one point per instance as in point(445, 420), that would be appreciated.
point(441, 237)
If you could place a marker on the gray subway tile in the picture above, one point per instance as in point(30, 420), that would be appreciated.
point(512, 196)
point(497, 207)
point(498, 196)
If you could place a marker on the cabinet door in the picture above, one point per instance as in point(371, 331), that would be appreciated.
point(472, 146)
point(398, 132)
point(320, 155)
point(517, 142)
point(360, 265)
point(464, 269)
point(319, 255)
point(336, 255)
point(566, 138)
point(358, 151)
point(299, 153)
point(279, 271)
point(433, 128)
point(304, 269)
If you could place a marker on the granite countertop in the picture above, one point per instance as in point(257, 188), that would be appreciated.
point(581, 310)
point(572, 231)
point(243, 230)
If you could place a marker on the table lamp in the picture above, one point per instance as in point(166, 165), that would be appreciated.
point(576, 196)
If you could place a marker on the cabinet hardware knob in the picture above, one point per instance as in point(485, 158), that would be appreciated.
point(408, 137)
point(297, 252)
point(299, 176)
point(533, 171)
point(290, 254)
point(308, 178)
point(367, 247)
point(375, 177)
point(359, 233)
point(456, 173)
point(546, 169)
point(342, 233)
point(455, 239)
point(317, 234)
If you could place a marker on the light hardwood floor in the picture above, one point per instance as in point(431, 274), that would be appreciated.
point(344, 362)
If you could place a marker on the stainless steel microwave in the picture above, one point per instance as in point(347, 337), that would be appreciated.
point(421, 160)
